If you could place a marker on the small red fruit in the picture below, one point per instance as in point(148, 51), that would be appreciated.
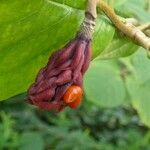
point(73, 96)
point(75, 104)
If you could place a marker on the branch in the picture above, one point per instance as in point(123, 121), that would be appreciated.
point(127, 28)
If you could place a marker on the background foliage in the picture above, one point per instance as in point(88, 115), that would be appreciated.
point(115, 113)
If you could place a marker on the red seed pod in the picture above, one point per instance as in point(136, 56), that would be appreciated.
point(59, 83)
point(64, 77)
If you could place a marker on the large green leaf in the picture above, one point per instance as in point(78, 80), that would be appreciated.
point(138, 84)
point(140, 98)
point(75, 4)
point(103, 36)
point(142, 65)
point(120, 46)
point(134, 8)
point(103, 84)
point(31, 31)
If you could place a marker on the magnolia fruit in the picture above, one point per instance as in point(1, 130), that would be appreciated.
point(59, 83)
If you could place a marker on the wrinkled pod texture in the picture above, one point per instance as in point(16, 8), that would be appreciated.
point(59, 83)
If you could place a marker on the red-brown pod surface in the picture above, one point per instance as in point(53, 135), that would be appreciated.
point(62, 74)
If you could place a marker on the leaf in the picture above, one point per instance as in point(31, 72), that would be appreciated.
point(29, 35)
point(120, 46)
point(102, 37)
point(139, 13)
point(75, 4)
point(142, 65)
point(72, 141)
point(31, 140)
point(103, 85)
point(134, 8)
point(140, 98)
point(138, 85)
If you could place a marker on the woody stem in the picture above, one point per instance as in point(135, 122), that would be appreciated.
point(128, 29)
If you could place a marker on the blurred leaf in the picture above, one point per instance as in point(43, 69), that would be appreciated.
point(31, 141)
point(140, 97)
point(103, 85)
point(102, 36)
point(120, 46)
point(138, 85)
point(138, 12)
point(141, 65)
point(77, 141)
point(8, 137)
point(134, 8)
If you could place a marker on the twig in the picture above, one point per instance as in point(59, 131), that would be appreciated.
point(127, 28)
point(144, 27)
